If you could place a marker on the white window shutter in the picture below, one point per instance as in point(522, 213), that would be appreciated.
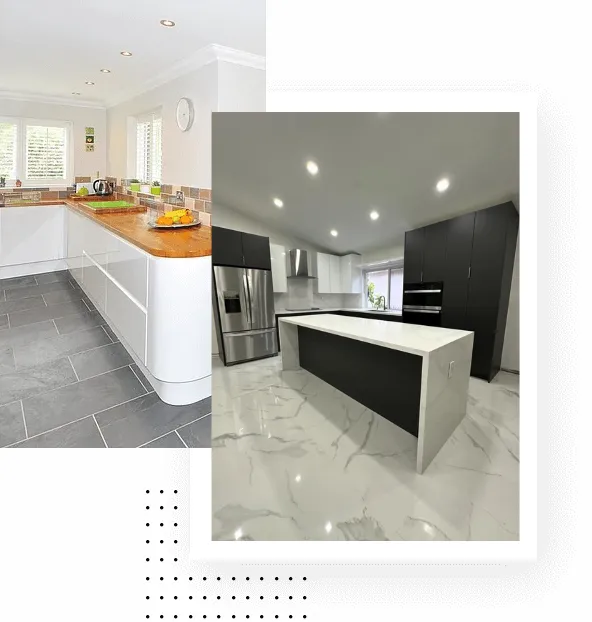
point(149, 148)
point(8, 150)
point(46, 152)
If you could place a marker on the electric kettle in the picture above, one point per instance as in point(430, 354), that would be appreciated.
point(102, 187)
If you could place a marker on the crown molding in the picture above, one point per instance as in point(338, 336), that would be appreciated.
point(50, 99)
point(204, 56)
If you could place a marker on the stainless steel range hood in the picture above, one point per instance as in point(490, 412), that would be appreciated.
point(300, 265)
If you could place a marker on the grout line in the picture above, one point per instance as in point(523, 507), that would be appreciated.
point(99, 429)
point(72, 366)
point(108, 335)
point(117, 405)
point(108, 372)
point(52, 429)
point(177, 433)
point(138, 377)
point(181, 426)
point(24, 420)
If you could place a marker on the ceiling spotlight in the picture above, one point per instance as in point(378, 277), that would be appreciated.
point(278, 202)
point(125, 53)
point(89, 83)
point(105, 70)
point(374, 215)
point(334, 233)
point(442, 185)
point(75, 93)
point(167, 22)
point(312, 167)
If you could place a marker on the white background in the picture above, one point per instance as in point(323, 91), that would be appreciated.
point(72, 539)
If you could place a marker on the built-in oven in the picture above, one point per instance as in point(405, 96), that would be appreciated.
point(422, 303)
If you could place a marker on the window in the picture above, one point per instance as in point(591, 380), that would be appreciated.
point(149, 148)
point(387, 282)
point(36, 152)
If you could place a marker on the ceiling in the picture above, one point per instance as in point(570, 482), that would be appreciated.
point(53, 48)
point(388, 162)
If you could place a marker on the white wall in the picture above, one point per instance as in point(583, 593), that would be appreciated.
point(85, 163)
point(186, 156)
point(394, 251)
point(240, 88)
point(511, 351)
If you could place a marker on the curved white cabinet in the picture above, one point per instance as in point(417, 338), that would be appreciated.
point(159, 307)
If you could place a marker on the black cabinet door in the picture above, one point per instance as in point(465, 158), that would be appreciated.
point(487, 257)
point(256, 251)
point(454, 317)
point(482, 361)
point(434, 251)
point(458, 260)
point(413, 261)
point(227, 247)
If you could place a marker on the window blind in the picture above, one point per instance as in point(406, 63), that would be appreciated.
point(149, 148)
point(8, 140)
point(46, 149)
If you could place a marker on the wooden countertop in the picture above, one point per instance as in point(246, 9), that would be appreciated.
point(178, 243)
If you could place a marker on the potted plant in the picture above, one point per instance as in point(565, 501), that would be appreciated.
point(135, 185)
point(155, 189)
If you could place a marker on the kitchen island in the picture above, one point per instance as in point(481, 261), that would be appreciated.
point(415, 376)
point(152, 286)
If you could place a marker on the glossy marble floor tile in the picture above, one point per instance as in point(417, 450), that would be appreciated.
point(63, 370)
point(295, 459)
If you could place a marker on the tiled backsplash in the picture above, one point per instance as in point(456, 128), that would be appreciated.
point(196, 199)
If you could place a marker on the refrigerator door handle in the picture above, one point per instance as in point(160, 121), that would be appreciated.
point(248, 299)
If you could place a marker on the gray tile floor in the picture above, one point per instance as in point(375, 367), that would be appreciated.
point(67, 381)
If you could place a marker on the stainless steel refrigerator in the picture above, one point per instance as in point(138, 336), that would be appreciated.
point(245, 314)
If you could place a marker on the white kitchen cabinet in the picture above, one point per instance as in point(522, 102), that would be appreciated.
point(335, 274)
point(323, 273)
point(278, 268)
point(351, 274)
point(32, 234)
point(129, 319)
point(129, 267)
point(95, 282)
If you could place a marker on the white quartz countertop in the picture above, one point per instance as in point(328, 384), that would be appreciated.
point(411, 338)
point(293, 312)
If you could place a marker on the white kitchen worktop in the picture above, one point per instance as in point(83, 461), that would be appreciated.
point(378, 313)
point(411, 338)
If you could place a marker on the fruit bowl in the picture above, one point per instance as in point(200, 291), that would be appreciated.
point(174, 219)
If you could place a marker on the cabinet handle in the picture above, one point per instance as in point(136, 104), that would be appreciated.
point(468, 277)
point(421, 278)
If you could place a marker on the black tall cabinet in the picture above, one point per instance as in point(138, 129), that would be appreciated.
point(473, 255)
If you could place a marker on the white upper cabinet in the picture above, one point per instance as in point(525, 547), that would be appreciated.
point(323, 273)
point(351, 274)
point(335, 272)
point(278, 268)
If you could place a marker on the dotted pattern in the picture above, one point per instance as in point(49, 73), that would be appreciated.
point(174, 593)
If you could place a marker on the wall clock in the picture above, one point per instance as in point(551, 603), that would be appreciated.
point(184, 114)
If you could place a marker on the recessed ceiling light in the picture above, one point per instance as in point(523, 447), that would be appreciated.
point(125, 53)
point(167, 22)
point(105, 70)
point(75, 93)
point(334, 233)
point(89, 83)
point(312, 167)
point(442, 185)
point(278, 202)
point(374, 215)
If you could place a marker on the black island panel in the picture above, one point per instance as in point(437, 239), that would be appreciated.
point(385, 380)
